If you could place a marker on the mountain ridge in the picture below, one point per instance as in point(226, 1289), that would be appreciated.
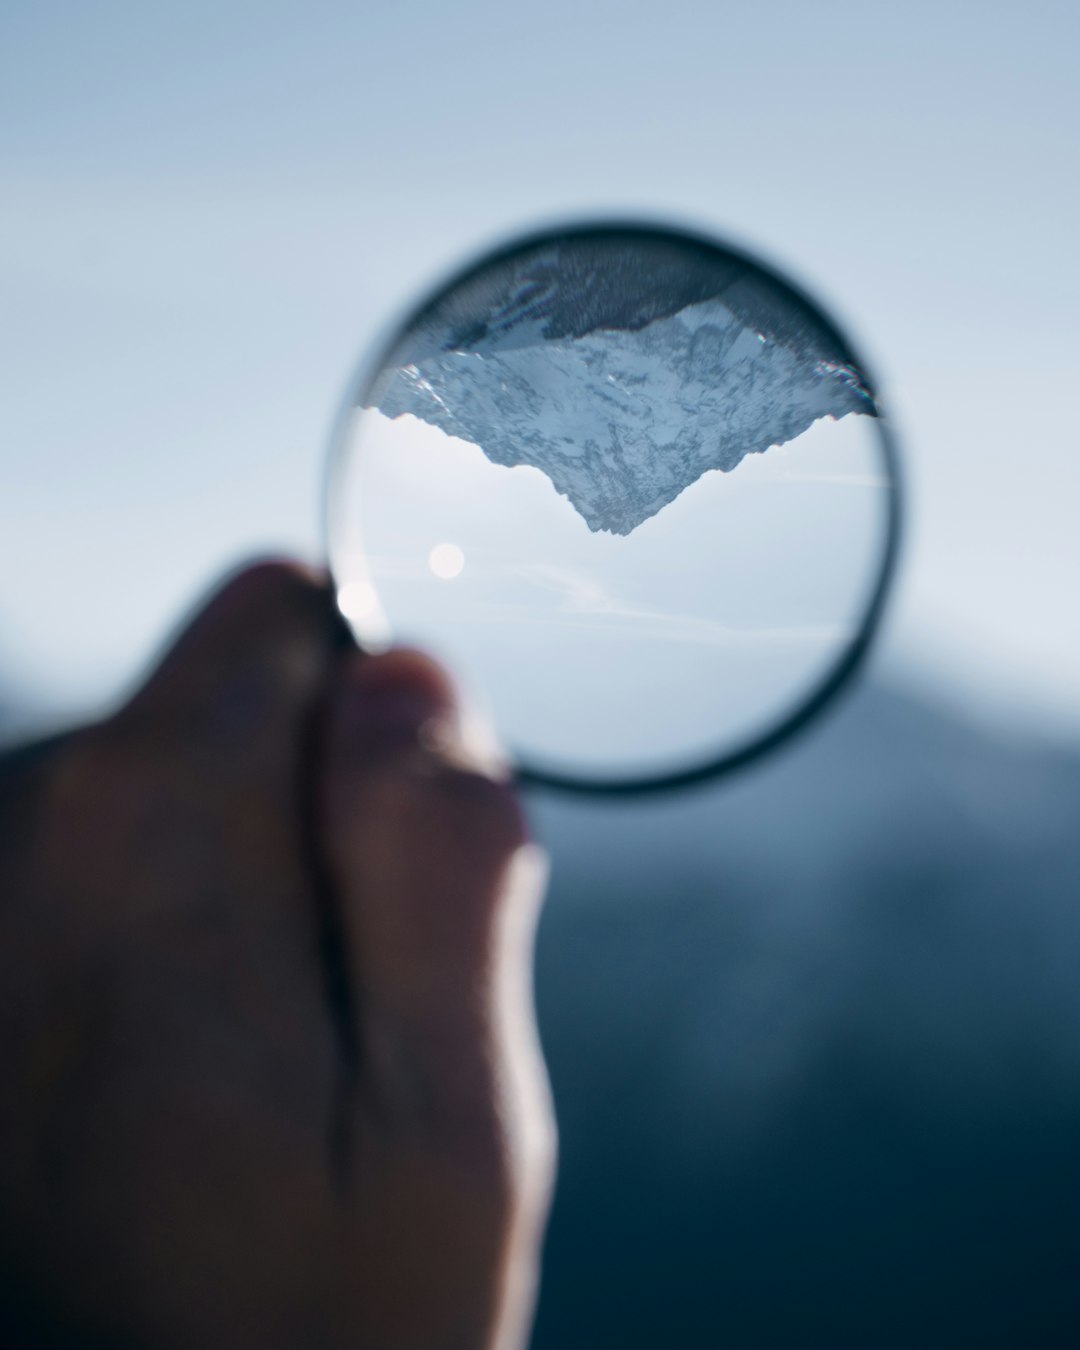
point(623, 420)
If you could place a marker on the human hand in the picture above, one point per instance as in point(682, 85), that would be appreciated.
point(268, 1066)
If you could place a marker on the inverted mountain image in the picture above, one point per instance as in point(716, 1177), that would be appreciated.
point(624, 369)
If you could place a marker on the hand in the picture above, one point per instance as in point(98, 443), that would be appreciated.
point(268, 1066)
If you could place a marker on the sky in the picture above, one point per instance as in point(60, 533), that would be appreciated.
point(208, 212)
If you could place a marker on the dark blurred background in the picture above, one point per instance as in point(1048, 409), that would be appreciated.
point(814, 1032)
point(815, 1041)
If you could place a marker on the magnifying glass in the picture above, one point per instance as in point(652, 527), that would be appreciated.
point(632, 484)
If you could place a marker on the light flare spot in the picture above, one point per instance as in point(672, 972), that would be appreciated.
point(446, 561)
point(357, 600)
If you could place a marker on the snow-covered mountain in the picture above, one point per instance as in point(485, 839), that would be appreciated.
point(623, 374)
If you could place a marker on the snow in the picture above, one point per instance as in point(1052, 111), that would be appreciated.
point(527, 363)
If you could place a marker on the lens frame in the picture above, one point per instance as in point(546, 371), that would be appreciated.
point(849, 661)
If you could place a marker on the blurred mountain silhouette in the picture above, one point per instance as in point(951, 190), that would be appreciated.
point(12, 707)
point(814, 1036)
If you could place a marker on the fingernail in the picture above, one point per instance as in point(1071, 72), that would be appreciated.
point(386, 718)
point(383, 702)
point(400, 671)
point(402, 698)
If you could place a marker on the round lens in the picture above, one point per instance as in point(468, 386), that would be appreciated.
point(632, 486)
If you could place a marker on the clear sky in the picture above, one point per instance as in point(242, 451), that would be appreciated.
point(207, 210)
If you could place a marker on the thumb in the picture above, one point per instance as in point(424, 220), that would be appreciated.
point(237, 688)
point(190, 795)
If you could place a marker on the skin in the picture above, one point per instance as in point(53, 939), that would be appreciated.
point(269, 1073)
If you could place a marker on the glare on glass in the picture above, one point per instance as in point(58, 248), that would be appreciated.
point(633, 488)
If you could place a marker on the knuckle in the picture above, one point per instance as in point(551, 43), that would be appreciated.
point(437, 804)
point(283, 603)
point(270, 580)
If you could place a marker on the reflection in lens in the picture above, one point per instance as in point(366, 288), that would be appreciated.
point(656, 480)
point(446, 561)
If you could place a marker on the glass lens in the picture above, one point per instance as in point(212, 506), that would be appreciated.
point(629, 485)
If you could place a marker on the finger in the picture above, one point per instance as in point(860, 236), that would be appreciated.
point(439, 890)
point(437, 881)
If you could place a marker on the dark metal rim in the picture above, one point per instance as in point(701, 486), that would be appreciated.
point(848, 663)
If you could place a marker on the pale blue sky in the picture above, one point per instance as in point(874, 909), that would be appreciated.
point(206, 211)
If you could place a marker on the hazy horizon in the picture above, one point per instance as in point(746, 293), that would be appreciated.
point(206, 227)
